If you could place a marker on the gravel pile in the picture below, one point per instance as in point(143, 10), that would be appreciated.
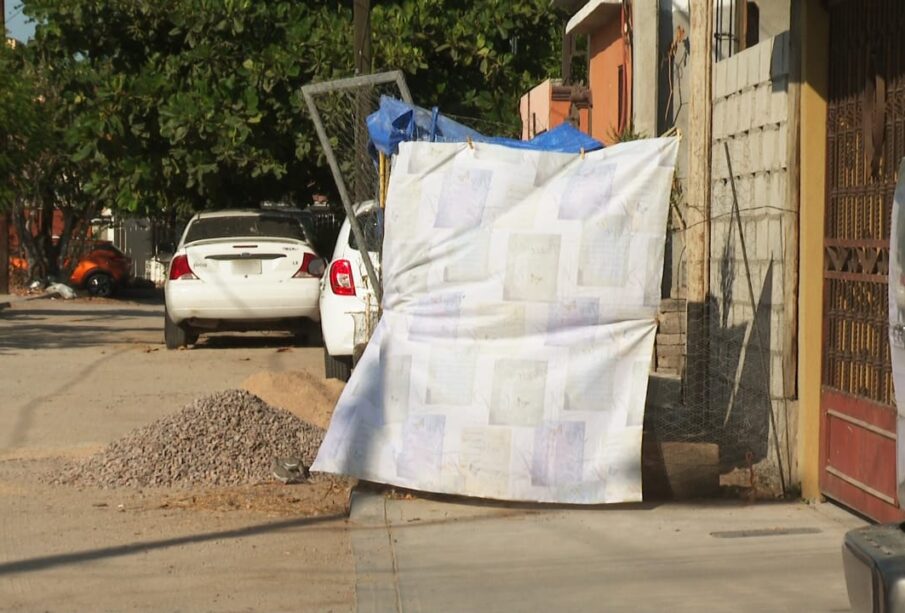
point(227, 438)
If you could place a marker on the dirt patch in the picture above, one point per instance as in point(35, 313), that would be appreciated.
point(317, 498)
point(306, 396)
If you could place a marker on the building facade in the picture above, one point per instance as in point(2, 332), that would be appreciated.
point(780, 375)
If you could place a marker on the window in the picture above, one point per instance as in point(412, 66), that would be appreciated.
point(245, 226)
point(752, 24)
point(372, 227)
point(736, 27)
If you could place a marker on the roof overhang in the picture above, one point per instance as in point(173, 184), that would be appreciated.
point(593, 15)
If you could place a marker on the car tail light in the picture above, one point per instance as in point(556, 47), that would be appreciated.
point(180, 269)
point(341, 281)
point(312, 266)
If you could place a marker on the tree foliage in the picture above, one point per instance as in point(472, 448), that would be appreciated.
point(40, 180)
point(190, 104)
point(19, 123)
point(163, 108)
point(471, 58)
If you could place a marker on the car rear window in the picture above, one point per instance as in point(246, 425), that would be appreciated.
point(372, 227)
point(274, 226)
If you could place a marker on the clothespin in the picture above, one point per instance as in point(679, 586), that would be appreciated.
point(470, 142)
point(582, 153)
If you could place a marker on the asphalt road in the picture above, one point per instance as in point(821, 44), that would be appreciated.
point(75, 375)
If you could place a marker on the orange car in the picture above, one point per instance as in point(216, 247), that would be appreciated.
point(99, 271)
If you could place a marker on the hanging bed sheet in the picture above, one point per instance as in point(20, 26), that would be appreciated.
point(521, 290)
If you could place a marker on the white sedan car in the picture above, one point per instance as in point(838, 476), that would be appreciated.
point(348, 303)
point(241, 270)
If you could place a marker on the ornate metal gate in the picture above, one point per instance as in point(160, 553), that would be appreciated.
point(866, 140)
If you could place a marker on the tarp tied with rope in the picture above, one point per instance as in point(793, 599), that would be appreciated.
point(398, 122)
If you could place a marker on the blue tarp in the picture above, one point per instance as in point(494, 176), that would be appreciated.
point(396, 121)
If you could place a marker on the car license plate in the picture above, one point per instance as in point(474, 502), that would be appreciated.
point(247, 267)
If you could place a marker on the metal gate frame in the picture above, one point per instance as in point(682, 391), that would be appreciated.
point(352, 83)
point(865, 140)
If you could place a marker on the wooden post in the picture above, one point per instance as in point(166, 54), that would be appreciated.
point(698, 210)
point(791, 229)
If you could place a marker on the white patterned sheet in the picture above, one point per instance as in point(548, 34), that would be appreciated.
point(520, 298)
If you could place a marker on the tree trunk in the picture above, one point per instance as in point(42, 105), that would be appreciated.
point(45, 239)
point(27, 240)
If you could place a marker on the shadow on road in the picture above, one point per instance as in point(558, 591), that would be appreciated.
point(141, 295)
point(44, 562)
point(62, 336)
point(78, 325)
point(255, 340)
point(99, 313)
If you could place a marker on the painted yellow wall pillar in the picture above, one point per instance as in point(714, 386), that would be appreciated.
point(814, 88)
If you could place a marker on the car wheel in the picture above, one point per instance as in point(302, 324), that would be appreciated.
point(337, 368)
point(100, 284)
point(176, 336)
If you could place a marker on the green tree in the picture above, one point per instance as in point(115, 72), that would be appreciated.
point(18, 123)
point(38, 176)
point(163, 108)
point(471, 58)
point(191, 104)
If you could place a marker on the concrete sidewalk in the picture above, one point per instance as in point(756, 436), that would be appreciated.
point(424, 555)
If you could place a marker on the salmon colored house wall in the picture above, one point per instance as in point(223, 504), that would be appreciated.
point(534, 108)
point(539, 112)
point(608, 51)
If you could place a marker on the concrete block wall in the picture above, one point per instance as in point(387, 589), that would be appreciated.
point(670, 343)
point(750, 117)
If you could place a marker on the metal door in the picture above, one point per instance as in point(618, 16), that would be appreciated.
point(866, 140)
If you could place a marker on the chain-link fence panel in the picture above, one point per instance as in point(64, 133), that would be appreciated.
point(719, 390)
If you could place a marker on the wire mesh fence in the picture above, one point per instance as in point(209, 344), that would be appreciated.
point(340, 110)
point(720, 390)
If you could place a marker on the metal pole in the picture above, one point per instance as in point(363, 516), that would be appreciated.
point(392, 76)
point(361, 20)
point(568, 48)
point(343, 194)
point(4, 215)
point(764, 367)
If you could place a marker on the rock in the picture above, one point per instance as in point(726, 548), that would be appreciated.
point(225, 439)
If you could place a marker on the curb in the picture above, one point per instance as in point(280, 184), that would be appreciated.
point(376, 583)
